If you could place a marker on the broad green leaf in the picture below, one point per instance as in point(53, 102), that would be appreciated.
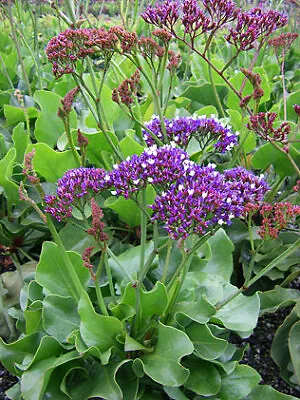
point(97, 330)
point(60, 316)
point(207, 346)
point(16, 352)
point(50, 272)
point(49, 163)
point(208, 111)
point(279, 297)
point(94, 380)
point(14, 115)
point(241, 313)
point(163, 365)
point(48, 127)
point(233, 100)
point(127, 210)
point(6, 169)
point(293, 98)
point(267, 392)
point(221, 262)
point(127, 264)
point(21, 140)
point(294, 347)
point(197, 284)
point(75, 239)
point(174, 393)
point(204, 378)
point(153, 302)
point(202, 94)
point(240, 382)
point(33, 319)
point(98, 144)
point(246, 137)
point(34, 381)
point(200, 68)
point(200, 311)
point(48, 347)
point(129, 146)
point(14, 392)
point(267, 155)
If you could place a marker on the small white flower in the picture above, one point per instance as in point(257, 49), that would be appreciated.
point(113, 192)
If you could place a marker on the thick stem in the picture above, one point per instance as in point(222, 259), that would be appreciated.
point(99, 295)
point(110, 280)
point(70, 141)
point(143, 232)
point(167, 261)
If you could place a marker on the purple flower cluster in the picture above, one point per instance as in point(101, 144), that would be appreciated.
point(163, 15)
point(182, 129)
point(156, 165)
point(215, 13)
point(75, 189)
point(253, 25)
point(204, 197)
point(71, 45)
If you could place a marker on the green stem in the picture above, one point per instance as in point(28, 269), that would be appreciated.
point(167, 261)
point(71, 276)
point(5, 72)
point(18, 268)
point(110, 280)
point(263, 272)
point(3, 311)
point(143, 232)
point(17, 44)
point(70, 141)
point(99, 295)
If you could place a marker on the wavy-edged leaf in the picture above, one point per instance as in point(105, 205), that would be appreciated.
point(163, 365)
point(204, 378)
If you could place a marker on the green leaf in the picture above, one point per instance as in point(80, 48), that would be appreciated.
point(75, 239)
point(163, 365)
point(294, 347)
point(240, 382)
point(34, 381)
point(14, 115)
point(18, 351)
point(97, 145)
point(94, 380)
point(6, 169)
point(153, 302)
point(221, 262)
point(126, 265)
point(241, 313)
point(247, 138)
point(207, 346)
point(202, 95)
point(272, 300)
point(293, 98)
point(267, 392)
point(200, 311)
point(208, 111)
point(21, 140)
point(50, 270)
point(127, 210)
point(49, 163)
point(233, 100)
point(268, 155)
point(204, 378)
point(129, 146)
point(97, 330)
point(174, 393)
point(60, 316)
point(48, 127)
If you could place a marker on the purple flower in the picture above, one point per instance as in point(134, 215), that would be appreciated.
point(194, 20)
point(75, 189)
point(182, 129)
point(158, 166)
point(163, 15)
point(245, 187)
point(221, 11)
point(253, 25)
point(204, 198)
